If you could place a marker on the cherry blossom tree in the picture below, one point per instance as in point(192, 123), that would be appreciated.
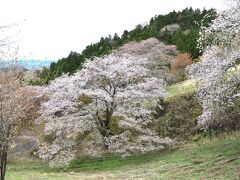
point(101, 109)
point(8, 45)
point(217, 74)
point(159, 56)
point(18, 109)
point(19, 105)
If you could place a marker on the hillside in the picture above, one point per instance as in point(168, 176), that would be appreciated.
point(208, 158)
point(214, 158)
point(160, 102)
point(217, 158)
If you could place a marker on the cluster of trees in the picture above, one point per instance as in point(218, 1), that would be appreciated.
point(183, 31)
point(104, 103)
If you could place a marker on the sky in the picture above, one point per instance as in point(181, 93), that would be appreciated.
point(51, 29)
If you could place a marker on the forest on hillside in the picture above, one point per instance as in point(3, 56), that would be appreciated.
point(179, 28)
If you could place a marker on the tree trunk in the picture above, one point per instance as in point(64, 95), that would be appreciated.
point(3, 163)
point(105, 122)
point(109, 114)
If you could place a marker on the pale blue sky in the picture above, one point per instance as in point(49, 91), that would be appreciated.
point(52, 28)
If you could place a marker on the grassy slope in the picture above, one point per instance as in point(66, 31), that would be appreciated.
point(181, 88)
point(188, 86)
point(208, 159)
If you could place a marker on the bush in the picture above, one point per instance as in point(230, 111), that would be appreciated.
point(178, 66)
point(180, 119)
point(228, 122)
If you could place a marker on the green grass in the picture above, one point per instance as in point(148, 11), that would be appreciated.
point(234, 69)
point(217, 158)
point(185, 87)
point(189, 86)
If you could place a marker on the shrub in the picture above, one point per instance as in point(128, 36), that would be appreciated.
point(179, 64)
point(180, 119)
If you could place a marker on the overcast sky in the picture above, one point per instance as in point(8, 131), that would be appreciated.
point(53, 28)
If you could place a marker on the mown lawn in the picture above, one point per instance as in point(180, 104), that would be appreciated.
point(217, 158)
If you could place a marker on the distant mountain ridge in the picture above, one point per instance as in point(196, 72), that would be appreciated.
point(35, 64)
